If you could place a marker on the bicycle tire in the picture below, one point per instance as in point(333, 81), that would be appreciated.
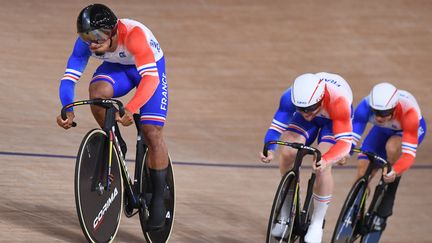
point(287, 184)
point(99, 211)
point(351, 212)
point(164, 234)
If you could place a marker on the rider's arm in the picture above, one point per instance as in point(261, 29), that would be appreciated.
point(75, 66)
point(280, 121)
point(342, 129)
point(410, 126)
point(136, 42)
point(360, 120)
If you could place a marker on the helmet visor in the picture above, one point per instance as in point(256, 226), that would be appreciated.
point(97, 36)
point(383, 113)
point(309, 109)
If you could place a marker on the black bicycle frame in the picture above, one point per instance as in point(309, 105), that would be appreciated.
point(375, 162)
point(109, 129)
point(302, 150)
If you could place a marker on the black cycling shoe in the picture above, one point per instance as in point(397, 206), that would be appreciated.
point(157, 217)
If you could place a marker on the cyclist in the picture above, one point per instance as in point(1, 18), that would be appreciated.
point(398, 128)
point(132, 58)
point(316, 105)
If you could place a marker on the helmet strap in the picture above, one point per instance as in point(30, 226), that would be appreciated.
point(110, 42)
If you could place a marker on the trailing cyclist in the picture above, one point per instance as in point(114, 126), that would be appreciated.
point(315, 106)
point(398, 128)
point(132, 58)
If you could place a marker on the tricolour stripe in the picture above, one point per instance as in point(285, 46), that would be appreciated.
point(277, 128)
point(279, 123)
point(73, 71)
point(325, 199)
point(156, 74)
point(409, 145)
point(299, 129)
point(407, 151)
point(103, 77)
point(153, 118)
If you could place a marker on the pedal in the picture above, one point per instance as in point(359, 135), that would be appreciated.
point(378, 224)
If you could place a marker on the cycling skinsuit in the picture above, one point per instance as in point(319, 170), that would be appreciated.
point(406, 122)
point(138, 61)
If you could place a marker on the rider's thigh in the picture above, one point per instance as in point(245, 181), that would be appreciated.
point(362, 165)
point(288, 154)
point(394, 148)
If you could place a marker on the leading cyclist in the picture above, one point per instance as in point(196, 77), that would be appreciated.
point(398, 128)
point(316, 105)
point(132, 58)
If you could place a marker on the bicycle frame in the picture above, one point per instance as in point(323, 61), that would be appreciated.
point(109, 129)
point(375, 162)
point(300, 223)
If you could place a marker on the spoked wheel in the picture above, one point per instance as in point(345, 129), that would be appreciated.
point(99, 210)
point(285, 197)
point(345, 230)
point(164, 234)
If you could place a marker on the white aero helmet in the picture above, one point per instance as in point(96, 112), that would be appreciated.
point(307, 92)
point(383, 99)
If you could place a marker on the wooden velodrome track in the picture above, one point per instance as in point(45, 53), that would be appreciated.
point(227, 63)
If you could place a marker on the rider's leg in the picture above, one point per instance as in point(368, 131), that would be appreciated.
point(300, 131)
point(288, 154)
point(322, 195)
point(158, 165)
point(109, 81)
point(104, 90)
point(153, 115)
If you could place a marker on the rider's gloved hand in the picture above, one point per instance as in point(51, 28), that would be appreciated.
point(66, 124)
point(389, 177)
point(126, 119)
point(320, 166)
point(269, 158)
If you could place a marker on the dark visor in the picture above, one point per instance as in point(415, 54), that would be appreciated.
point(383, 113)
point(97, 36)
point(309, 108)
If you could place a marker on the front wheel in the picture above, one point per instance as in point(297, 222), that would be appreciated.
point(164, 234)
point(283, 212)
point(345, 230)
point(99, 208)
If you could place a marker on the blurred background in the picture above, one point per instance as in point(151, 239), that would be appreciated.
point(227, 62)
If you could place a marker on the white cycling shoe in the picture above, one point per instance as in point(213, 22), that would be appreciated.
point(279, 228)
point(314, 234)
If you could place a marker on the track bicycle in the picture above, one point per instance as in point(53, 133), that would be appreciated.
point(288, 195)
point(103, 187)
point(354, 221)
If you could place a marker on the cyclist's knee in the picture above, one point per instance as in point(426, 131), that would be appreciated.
point(153, 135)
point(101, 90)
